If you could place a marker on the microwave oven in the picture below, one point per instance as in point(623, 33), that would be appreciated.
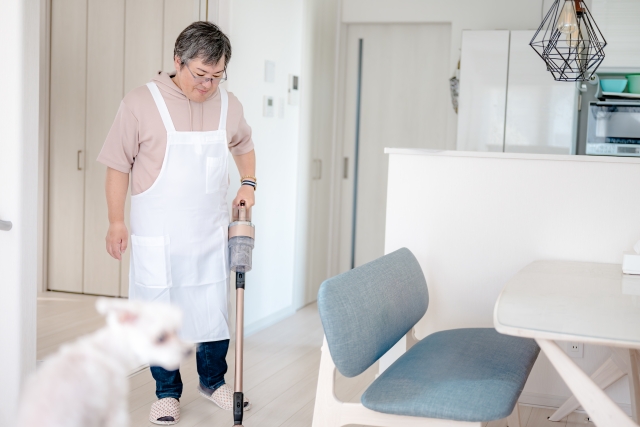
point(613, 129)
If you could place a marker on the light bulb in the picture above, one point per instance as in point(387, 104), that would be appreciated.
point(567, 21)
point(573, 39)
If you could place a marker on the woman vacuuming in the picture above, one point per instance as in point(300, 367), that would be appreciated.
point(173, 136)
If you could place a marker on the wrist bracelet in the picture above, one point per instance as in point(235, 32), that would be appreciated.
point(250, 183)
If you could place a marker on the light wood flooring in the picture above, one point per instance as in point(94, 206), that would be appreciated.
point(281, 371)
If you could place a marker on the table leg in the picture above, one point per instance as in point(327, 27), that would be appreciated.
point(634, 384)
point(604, 376)
point(603, 411)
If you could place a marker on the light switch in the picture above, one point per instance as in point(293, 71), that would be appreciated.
point(269, 107)
point(293, 90)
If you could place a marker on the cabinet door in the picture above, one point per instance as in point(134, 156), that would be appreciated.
point(67, 148)
point(105, 65)
point(178, 14)
point(483, 90)
point(540, 111)
point(618, 21)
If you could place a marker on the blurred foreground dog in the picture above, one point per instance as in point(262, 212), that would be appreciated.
point(85, 384)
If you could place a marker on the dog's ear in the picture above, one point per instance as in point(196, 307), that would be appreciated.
point(122, 311)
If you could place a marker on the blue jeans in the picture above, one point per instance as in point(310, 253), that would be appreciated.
point(212, 365)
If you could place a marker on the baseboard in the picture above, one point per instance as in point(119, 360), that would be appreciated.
point(270, 320)
point(554, 402)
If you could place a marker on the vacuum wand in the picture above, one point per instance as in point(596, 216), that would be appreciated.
point(238, 395)
point(241, 241)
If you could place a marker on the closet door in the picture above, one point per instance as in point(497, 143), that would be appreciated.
point(67, 148)
point(100, 51)
point(401, 105)
point(105, 80)
point(178, 14)
point(142, 60)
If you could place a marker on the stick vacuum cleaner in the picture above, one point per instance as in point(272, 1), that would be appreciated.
point(241, 238)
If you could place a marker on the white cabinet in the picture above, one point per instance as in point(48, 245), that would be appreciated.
point(537, 114)
point(540, 111)
point(618, 21)
point(483, 90)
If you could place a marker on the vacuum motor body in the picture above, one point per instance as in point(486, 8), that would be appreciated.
point(241, 240)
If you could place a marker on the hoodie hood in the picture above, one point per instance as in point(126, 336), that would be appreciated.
point(165, 84)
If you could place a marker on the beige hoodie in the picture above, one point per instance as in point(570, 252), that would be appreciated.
point(137, 140)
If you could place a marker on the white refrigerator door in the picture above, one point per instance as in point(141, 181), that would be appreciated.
point(483, 90)
point(541, 113)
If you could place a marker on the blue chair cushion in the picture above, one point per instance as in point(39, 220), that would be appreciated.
point(365, 311)
point(461, 374)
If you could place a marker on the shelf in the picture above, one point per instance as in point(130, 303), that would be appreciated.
point(617, 95)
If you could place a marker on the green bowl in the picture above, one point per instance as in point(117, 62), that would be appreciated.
point(634, 83)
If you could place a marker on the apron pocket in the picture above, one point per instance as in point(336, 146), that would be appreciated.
point(216, 171)
point(151, 261)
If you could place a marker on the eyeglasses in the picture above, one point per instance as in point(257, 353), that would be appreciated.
point(201, 79)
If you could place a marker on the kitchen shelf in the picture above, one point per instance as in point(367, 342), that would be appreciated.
point(618, 95)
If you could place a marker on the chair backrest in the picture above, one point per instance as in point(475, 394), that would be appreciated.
point(367, 310)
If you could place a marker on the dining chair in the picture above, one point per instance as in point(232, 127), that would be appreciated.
point(451, 378)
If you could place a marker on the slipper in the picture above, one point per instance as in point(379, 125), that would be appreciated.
point(165, 411)
point(223, 397)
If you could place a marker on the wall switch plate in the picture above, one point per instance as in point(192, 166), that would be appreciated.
point(293, 89)
point(269, 106)
point(575, 349)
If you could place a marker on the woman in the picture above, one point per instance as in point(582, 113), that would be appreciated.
point(172, 135)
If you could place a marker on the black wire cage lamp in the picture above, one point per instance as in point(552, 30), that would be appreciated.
point(569, 41)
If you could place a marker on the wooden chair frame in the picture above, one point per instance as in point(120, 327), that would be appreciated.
point(329, 411)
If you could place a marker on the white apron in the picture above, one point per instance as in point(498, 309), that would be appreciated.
point(179, 229)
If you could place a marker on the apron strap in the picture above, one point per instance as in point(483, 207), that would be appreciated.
point(162, 106)
point(224, 106)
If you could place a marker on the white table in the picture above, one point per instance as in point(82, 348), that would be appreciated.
point(580, 302)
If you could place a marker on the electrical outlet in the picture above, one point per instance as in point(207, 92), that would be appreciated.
point(575, 349)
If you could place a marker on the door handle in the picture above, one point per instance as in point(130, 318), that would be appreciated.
point(317, 173)
point(5, 225)
point(80, 160)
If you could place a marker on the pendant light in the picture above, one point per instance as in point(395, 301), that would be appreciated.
point(569, 41)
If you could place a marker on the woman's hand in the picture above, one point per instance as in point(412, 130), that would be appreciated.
point(246, 193)
point(117, 239)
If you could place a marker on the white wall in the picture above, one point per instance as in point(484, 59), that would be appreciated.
point(483, 217)
point(269, 30)
point(18, 198)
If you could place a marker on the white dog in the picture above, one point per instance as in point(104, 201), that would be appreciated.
point(85, 383)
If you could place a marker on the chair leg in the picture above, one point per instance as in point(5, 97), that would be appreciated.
point(513, 420)
point(326, 412)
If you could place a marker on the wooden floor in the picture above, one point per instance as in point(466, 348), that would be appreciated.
point(281, 371)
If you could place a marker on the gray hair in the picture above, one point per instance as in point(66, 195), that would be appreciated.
point(203, 40)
